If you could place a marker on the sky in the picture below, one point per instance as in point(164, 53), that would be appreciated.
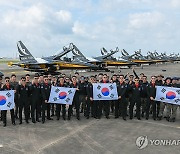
point(45, 26)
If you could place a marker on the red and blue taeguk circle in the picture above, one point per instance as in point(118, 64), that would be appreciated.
point(2, 100)
point(105, 91)
point(62, 95)
point(171, 95)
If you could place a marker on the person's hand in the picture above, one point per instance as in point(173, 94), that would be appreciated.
point(45, 101)
point(119, 97)
point(91, 99)
point(77, 89)
point(151, 98)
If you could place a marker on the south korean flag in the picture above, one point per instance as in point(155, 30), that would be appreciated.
point(7, 100)
point(105, 91)
point(62, 95)
point(168, 94)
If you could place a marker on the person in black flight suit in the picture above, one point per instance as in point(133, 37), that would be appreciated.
point(24, 93)
point(35, 99)
point(61, 106)
point(45, 91)
point(76, 102)
point(136, 99)
point(7, 86)
point(121, 104)
point(151, 93)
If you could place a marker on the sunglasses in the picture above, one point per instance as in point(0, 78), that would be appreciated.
point(35, 78)
point(7, 80)
point(45, 79)
point(136, 80)
point(23, 80)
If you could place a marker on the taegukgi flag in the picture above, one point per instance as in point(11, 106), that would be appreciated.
point(168, 94)
point(62, 95)
point(105, 91)
point(7, 100)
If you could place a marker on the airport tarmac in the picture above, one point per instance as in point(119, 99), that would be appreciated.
point(92, 136)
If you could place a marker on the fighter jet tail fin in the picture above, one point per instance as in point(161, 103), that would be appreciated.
point(24, 54)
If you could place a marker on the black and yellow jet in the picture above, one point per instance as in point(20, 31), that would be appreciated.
point(47, 64)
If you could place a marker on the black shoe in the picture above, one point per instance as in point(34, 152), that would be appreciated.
point(147, 118)
point(43, 121)
point(52, 115)
point(160, 118)
point(142, 115)
point(78, 118)
point(139, 118)
point(4, 125)
point(107, 117)
point(154, 119)
point(33, 121)
point(124, 118)
point(49, 119)
point(20, 123)
point(64, 118)
point(58, 118)
point(14, 123)
point(27, 121)
point(167, 118)
point(37, 120)
point(116, 117)
point(173, 119)
point(131, 118)
point(87, 117)
point(69, 118)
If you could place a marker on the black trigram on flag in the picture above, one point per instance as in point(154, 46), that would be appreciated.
point(57, 90)
point(98, 87)
point(112, 95)
point(163, 90)
point(55, 98)
point(99, 96)
point(8, 94)
point(178, 91)
point(69, 91)
point(111, 87)
point(9, 104)
point(177, 100)
point(67, 99)
point(162, 98)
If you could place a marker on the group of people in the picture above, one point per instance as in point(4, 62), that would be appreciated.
point(31, 97)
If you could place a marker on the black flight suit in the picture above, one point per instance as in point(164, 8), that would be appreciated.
point(4, 112)
point(75, 102)
point(144, 97)
point(151, 92)
point(45, 91)
point(35, 101)
point(24, 94)
point(121, 104)
point(61, 106)
point(82, 96)
point(136, 99)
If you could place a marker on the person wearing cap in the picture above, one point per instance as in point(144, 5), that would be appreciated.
point(172, 108)
point(163, 105)
point(8, 86)
point(23, 91)
point(35, 99)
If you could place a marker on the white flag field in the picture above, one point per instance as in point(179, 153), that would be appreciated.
point(7, 100)
point(168, 95)
point(62, 95)
point(105, 91)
